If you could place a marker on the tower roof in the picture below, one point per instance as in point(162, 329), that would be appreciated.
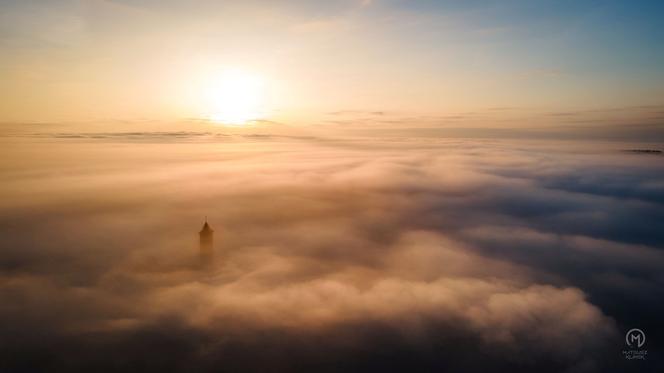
point(206, 228)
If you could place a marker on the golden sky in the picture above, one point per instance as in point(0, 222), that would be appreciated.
point(137, 59)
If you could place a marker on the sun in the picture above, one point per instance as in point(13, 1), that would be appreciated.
point(235, 97)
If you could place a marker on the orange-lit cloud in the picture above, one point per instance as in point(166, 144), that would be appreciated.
point(447, 249)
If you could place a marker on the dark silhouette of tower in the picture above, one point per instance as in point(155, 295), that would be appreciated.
point(206, 236)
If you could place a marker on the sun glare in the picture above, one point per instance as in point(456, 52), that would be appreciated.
point(235, 97)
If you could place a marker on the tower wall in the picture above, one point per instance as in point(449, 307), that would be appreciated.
point(206, 245)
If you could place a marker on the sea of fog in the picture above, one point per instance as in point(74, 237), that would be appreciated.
point(331, 253)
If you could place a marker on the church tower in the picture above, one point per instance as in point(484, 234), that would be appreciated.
point(206, 243)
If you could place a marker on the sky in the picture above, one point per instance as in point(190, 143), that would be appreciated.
point(517, 62)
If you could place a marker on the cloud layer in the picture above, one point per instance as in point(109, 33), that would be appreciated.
point(332, 254)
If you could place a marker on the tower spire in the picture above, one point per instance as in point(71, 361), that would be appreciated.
point(206, 243)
